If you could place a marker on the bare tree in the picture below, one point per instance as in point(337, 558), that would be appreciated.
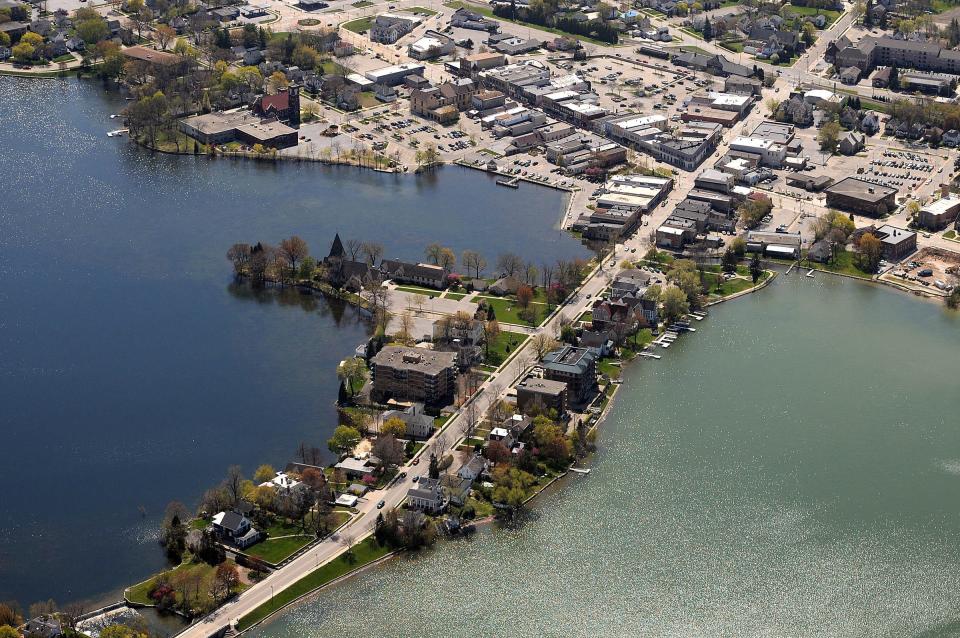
point(372, 252)
point(419, 300)
point(542, 344)
point(509, 264)
point(239, 254)
point(353, 247)
point(473, 262)
point(433, 252)
point(294, 250)
point(233, 484)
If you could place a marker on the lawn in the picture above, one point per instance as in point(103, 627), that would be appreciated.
point(503, 345)
point(360, 4)
point(140, 593)
point(282, 527)
point(199, 523)
point(364, 553)
point(416, 290)
point(420, 10)
point(829, 14)
point(732, 286)
point(609, 366)
point(950, 234)
point(457, 296)
point(367, 100)
point(481, 509)
point(507, 311)
point(359, 25)
point(440, 421)
point(845, 264)
point(736, 47)
point(275, 550)
point(485, 11)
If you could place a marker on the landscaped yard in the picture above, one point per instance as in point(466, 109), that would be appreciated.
point(359, 25)
point(486, 11)
point(417, 290)
point(363, 553)
point(140, 593)
point(829, 14)
point(420, 10)
point(503, 345)
point(507, 311)
point(275, 550)
point(845, 264)
point(457, 296)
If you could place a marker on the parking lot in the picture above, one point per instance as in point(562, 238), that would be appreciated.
point(930, 268)
point(904, 170)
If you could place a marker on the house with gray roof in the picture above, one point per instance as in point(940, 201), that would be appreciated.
point(577, 367)
point(427, 495)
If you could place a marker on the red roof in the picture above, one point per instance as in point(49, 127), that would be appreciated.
point(278, 102)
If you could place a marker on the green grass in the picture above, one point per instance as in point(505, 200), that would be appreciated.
point(417, 290)
point(455, 295)
point(282, 527)
point(950, 234)
point(421, 10)
point(275, 550)
point(732, 286)
point(736, 47)
point(692, 32)
point(199, 523)
point(845, 264)
point(364, 553)
point(440, 421)
point(359, 25)
point(66, 57)
point(507, 311)
point(829, 14)
point(609, 366)
point(485, 11)
point(482, 508)
point(503, 345)
point(140, 593)
point(360, 4)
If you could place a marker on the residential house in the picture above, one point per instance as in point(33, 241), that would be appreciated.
point(473, 468)
point(419, 424)
point(629, 281)
point(456, 489)
point(387, 28)
point(427, 495)
point(852, 143)
point(505, 286)
point(46, 626)
point(235, 529)
point(419, 274)
point(355, 468)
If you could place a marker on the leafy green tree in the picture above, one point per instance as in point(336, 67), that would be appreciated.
point(395, 427)
point(755, 268)
point(675, 304)
point(829, 137)
point(869, 252)
point(4, 39)
point(264, 474)
point(6, 631)
point(512, 488)
point(353, 372)
point(93, 29)
point(344, 438)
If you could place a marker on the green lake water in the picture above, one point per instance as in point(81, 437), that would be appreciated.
point(791, 469)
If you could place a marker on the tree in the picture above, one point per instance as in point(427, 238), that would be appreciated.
point(305, 57)
point(729, 261)
point(473, 262)
point(42, 608)
point(93, 29)
point(524, 296)
point(239, 254)
point(141, 19)
point(675, 304)
point(394, 426)
point(707, 30)
point(433, 470)
point(233, 484)
point(352, 372)
point(372, 252)
point(294, 250)
point(10, 614)
point(226, 578)
point(389, 450)
point(542, 344)
point(511, 488)
point(344, 438)
point(829, 137)
point(264, 474)
point(739, 246)
point(23, 52)
point(432, 252)
point(509, 264)
point(753, 210)
point(809, 34)
point(446, 259)
point(7, 631)
point(165, 35)
point(869, 252)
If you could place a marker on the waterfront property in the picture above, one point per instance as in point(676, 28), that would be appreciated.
point(539, 395)
point(576, 367)
point(860, 196)
point(235, 529)
point(939, 213)
point(414, 374)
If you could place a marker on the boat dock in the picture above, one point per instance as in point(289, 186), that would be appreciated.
point(509, 183)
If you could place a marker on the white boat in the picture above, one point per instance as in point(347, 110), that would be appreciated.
point(119, 131)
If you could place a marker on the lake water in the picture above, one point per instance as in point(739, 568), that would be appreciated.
point(791, 469)
point(132, 372)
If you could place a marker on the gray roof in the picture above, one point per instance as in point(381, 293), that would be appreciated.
point(569, 359)
point(427, 361)
point(542, 386)
point(860, 189)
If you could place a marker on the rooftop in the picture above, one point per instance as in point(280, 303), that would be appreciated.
point(860, 189)
point(427, 361)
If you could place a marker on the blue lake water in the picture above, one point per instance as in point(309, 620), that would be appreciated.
point(132, 372)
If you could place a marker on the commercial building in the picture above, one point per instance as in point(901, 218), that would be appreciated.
point(466, 19)
point(433, 44)
point(536, 395)
point(240, 126)
point(940, 213)
point(414, 374)
point(687, 148)
point(576, 367)
point(778, 245)
point(394, 75)
point(861, 196)
point(896, 243)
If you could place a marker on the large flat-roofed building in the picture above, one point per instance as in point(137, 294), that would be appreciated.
point(576, 367)
point(861, 196)
point(896, 243)
point(940, 213)
point(904, 54)
point(779, 245)
point(433, 44)
point(414, 374)
point(539, 395)
point(687, 148)
point(394, 75)
point(387, 28)
point(242, 126)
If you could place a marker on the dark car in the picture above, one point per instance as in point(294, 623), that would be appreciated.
point(381, 504)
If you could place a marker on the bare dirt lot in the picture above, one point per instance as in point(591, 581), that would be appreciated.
point(943, 266)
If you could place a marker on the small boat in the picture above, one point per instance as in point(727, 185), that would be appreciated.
point(810, 274)
point(509, 183)
point(579, 470)
point(119, 131)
